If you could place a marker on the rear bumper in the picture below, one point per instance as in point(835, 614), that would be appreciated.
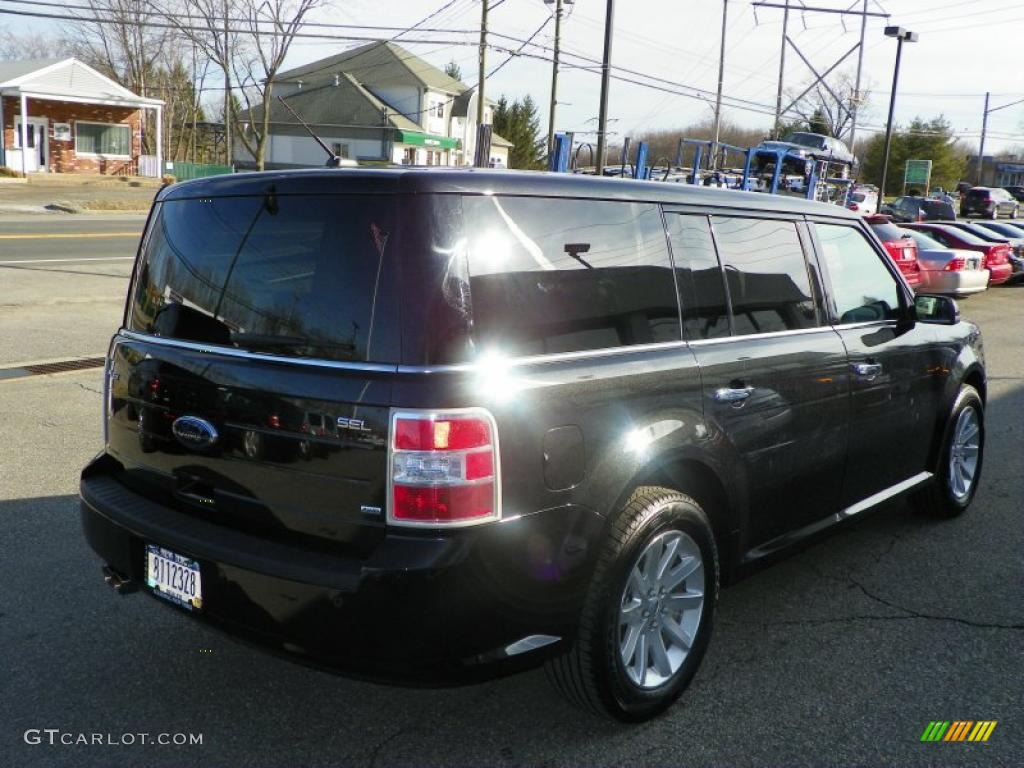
point(422, 609)
point(959, 283)
point(999, 273)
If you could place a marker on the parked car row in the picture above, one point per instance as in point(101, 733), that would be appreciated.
point(952, 257)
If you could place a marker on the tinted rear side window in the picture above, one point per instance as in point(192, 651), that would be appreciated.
point(555, 275)
point(769, 286)
point(701, 285)
point(292, 275)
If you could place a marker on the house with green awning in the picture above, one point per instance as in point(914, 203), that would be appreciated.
point(377, 103)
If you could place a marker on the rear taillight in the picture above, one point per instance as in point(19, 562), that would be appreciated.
point(997, 254)
point(853, 207)
point(443, 468)
point(955, 264)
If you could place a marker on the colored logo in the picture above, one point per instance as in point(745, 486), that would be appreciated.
point(958, 730)
point(193, 432)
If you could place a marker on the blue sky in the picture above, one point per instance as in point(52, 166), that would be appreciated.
point(966, 47)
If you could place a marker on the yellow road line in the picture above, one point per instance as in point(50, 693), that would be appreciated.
point(69, 236)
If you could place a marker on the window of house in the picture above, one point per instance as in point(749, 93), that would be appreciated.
point(436, 109)
point(553, 275)
point(339, 149)
point(103, 139)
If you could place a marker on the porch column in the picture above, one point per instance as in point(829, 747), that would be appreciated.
point(3, 135)
point(159, 142)
point(24, 133)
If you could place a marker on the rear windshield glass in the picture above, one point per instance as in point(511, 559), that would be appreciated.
point(291, 275)
point(938, 208)
point(977, 194)
point(858, 197)
point(964, 236)
point(886, 231)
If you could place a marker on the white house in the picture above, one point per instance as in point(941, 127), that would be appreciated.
point(375, 103)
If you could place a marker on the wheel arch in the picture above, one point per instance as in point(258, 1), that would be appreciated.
point(696, 478)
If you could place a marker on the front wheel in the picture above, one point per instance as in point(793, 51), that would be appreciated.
point(963, 448)
point(647, 616)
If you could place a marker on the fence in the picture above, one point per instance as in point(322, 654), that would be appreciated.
point(183, 171)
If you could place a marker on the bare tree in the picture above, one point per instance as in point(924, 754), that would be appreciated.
point(271, 26)
point(124, 39)
point(826, 105)
point(248, 41)
point(207, 24)
point(31, 45)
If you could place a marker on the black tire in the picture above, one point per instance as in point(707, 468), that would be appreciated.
point(939, 498)
point(592, 674)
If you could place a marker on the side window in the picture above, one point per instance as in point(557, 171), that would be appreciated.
point(699, 276)
point(864, 289)
point(557, 275)
point(766, 274)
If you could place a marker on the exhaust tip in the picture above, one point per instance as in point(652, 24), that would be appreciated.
point(118, 581)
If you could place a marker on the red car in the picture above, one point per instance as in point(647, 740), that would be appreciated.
point(997, 255)
point(902, 250)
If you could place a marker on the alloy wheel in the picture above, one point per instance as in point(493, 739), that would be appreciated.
point(660, 609)
point(963, 453)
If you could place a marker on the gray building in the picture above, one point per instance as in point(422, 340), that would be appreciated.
point(996, 170)
point(374, 103)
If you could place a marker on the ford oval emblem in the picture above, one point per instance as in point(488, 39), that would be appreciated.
point(193, 432)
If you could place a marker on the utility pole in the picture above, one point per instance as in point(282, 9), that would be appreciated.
point(718, 96)
point(483, 65)
point(981, 148)
point(782, 70)
point(901, 34)
point(606, 65)
point(554, 76)
point(227, 92)
point(855, 106)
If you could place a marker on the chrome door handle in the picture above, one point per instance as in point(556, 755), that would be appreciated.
point(868, 371)
point(734, 395)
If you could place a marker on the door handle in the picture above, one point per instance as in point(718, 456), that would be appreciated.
point(734, 395)
point(867, 371)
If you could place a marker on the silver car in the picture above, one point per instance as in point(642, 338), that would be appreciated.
point(948, 270)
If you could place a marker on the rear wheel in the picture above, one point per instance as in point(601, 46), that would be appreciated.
point(960, 462)
point(647, 616)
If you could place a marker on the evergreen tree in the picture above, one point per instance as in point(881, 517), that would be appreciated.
point(922, 140)
point(518, 122)
point(453, 70)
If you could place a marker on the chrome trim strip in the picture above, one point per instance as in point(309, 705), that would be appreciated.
point(314, 362)
point(530, 643)
point(769, 335)
point(785, 540)
point(554, 357)
point(885, 494)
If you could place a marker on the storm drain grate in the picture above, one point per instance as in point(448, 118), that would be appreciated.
point(60, 366)
point(66, 365)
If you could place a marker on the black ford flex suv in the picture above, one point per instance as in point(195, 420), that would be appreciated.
point(429, 426)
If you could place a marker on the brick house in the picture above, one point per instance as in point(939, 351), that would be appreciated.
point(72, 119)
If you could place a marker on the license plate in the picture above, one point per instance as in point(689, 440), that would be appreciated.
point(174, 578)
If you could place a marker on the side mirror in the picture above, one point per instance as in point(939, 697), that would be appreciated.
point(940, 310)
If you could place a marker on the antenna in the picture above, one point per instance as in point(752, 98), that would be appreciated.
point(333, 161)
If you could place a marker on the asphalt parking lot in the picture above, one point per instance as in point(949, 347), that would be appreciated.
point(839, 655)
